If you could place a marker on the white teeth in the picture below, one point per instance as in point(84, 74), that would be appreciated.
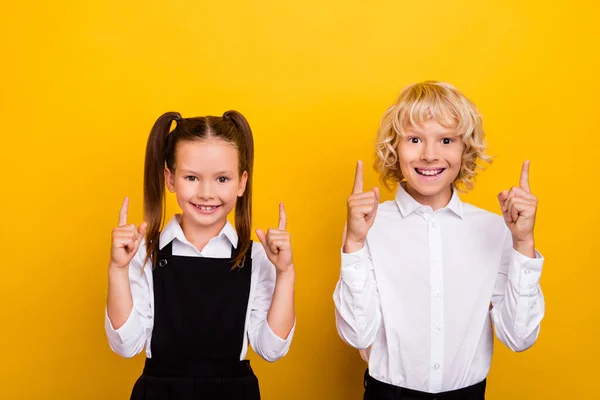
point(429, 172)
point(205, 208)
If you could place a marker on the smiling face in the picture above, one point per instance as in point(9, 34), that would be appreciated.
point(433, 138)
point(206, 181)
point(430, 157)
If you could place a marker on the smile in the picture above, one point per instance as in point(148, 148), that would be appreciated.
point(429, 171)
point(206, 208)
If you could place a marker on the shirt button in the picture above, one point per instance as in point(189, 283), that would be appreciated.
point(526, 271)
point(356, 266)
point(436, 366)
point(433, 225)
point(437, 294)
point(437, 329)
point(436, 258)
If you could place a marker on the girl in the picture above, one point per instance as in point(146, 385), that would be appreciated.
point(192, 293)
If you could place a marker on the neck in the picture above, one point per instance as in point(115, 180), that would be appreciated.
point(436, 201)
point(200, 235)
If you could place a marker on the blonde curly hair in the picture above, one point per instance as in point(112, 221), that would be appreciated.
point(418, 103)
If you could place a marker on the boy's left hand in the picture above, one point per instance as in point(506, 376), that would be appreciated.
point(519, 207)
point(277, 244)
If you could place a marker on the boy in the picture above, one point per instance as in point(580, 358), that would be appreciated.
point(424, 276)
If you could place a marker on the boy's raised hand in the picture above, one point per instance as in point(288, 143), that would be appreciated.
point(126, 239)
point(362, 209)
point(519, 207)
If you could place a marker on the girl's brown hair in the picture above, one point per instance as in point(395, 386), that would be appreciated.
point(233, 128)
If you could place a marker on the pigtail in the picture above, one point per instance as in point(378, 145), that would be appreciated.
point(243, 204)
point(154, 181)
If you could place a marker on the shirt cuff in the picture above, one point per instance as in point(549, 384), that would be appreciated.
point(277, 346)
point(355, 267)
point(128, 332)
point(525, 272)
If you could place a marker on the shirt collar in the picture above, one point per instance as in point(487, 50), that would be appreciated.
point(407, 204)
point(173, 231)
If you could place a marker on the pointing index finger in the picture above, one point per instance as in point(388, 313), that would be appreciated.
point(123, 212)
point(524, 183)
point(358, 178)
point(282, 217)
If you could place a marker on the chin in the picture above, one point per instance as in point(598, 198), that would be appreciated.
point(205, 220)
point(430, 190)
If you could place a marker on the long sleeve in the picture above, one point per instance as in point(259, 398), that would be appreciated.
point(130, 339)
point(517, 303)
point(357, 306)
point(262, 338)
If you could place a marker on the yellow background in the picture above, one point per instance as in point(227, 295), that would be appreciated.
point(82, 83)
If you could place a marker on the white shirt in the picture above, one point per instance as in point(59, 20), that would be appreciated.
point(136, 333)
point(417, 296)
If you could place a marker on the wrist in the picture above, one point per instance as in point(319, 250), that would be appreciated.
point(352, 246)
point(525, 246)
point(523, 240)
point(288, 274)
point(114, 269)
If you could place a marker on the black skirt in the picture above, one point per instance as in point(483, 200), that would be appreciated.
point(203, 381)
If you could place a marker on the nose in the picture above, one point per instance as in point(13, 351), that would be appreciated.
point(429, 152)
point(207, 190)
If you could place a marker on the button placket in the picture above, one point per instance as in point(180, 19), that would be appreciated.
point(437, 305)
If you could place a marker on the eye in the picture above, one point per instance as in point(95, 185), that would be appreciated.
point(414, 140)
point(447, 140)
point(223, 179)
point(191, 178)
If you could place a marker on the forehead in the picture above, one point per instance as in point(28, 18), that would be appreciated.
point(206, 155)
point(431, 127)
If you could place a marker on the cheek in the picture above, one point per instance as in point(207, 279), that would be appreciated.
point(183, 189)
point(404, 166)
point(455, 156)
point(228, 192)
point(406, 156)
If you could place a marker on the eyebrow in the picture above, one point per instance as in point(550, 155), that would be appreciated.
point(189, 171)
point(437, 134)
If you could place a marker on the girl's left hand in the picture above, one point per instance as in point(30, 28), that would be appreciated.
point(277, 244)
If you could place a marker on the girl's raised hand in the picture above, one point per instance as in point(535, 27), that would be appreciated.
point(126, 239)
point(277, 243)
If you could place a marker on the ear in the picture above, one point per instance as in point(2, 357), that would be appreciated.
point(242, 184)
point(170, 180)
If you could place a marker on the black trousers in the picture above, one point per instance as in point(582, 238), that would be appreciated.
point(376, 390)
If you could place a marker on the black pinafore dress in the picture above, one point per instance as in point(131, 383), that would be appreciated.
point(200, 307)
